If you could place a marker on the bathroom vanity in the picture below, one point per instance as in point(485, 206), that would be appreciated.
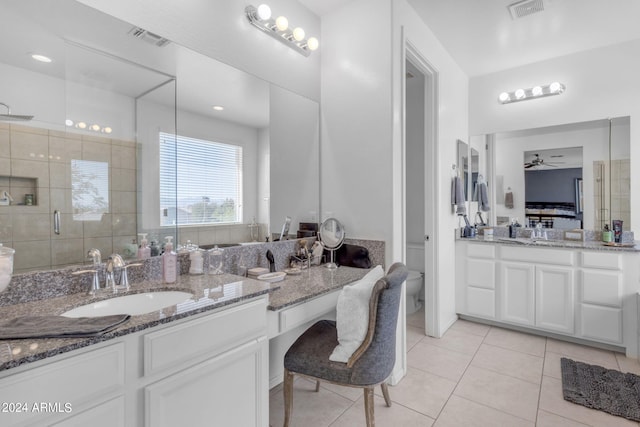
point(569, 290)
point(156, 369)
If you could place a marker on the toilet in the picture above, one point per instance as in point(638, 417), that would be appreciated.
point(415, 279)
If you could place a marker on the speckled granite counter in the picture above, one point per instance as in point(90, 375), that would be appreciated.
point(312, 283)
point(567, 244)
point(209, 293)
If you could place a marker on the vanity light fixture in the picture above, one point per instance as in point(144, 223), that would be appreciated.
point(260, 17)
point(554, 88)
point(84, 126)
point(218, 107)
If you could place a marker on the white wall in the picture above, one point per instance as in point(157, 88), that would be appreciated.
point(219, 29)
point(601, 83)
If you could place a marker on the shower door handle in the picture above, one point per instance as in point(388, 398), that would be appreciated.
point(56, 222)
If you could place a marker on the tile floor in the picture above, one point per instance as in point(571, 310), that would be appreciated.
point(476, 375)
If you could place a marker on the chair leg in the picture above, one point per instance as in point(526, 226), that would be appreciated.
point(317, 386)
point(368, 406)
point(385, 393)
point(288, 396)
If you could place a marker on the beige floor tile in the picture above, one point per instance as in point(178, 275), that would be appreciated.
point(394, 416)
point(547, 419)
point(439, 361)
point(552, 363)
point(502, 392)
point(414, 336)
point(509, 362)
point(470, 327)
point(310, 409)
point(462, 412)
point(594, 355)
point(423, 392)
point(628, 365)
point(351, 393)
point(518, 341)
point(457, 341)
point(416, 319)
point(551, 400)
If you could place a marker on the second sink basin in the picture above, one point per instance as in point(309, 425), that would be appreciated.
point(134, 304)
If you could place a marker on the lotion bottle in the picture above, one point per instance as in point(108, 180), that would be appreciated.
point(169, 262)
point(144, 251)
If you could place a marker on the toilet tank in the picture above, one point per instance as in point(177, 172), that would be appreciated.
point(415, 256)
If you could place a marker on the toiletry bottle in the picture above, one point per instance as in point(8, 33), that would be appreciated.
point(155, 250)
point(144, 251)
point(169, 262)
point(607, 235)
point(617, 230)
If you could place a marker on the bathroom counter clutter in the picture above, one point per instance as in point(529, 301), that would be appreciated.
point(209, 292)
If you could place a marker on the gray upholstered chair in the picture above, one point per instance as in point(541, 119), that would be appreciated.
point(370, 365)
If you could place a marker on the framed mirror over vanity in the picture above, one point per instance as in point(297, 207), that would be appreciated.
point(133, 133)
point(575, 175)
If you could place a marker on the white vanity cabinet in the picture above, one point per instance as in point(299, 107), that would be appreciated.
point(576, 292)
point(207, 369)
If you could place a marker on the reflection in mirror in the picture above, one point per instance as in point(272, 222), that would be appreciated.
point(604, 164)
point(463, 165)
point(332, 236)
point(107, 98)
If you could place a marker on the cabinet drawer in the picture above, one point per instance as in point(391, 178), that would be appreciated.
point(481, 251)
point(600, 287)
point(601, 259)
point(216, 332)
point(601, 323)
point(306, 311)
point(481, 273)
point(76, 381)
point(537, 255)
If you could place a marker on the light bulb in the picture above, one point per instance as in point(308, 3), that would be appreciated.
point(536, 91)
point(312, 43)
point(107, 129)
point(218, 107)
point(298, 34)
point(95, 128)
point(264, 12)
point(81, 125)
point(520, 93)
point(503, 97)
point(68, 122)
point(41, 58)
point(554, 87)
point(282, 23)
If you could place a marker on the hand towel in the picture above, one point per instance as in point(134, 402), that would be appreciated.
point(481, 196)
point(457, 196)
point(59, 326)
point(508, 200)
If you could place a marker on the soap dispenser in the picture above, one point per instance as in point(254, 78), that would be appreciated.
point(169, 262)
point(144, 251)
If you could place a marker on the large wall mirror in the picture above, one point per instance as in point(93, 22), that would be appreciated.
point(132, 133)
point(567, 176)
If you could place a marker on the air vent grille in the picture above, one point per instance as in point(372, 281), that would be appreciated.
point(524, 8)
point(149, 37)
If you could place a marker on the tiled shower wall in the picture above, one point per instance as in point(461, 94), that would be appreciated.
point(612, 192)
point(38, 161)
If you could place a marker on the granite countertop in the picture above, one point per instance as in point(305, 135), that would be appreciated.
point(567, 244)
point(209, 293)
point(312, 283)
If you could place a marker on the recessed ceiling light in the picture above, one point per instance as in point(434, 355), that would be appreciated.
point(218, 107)
point(41, 58)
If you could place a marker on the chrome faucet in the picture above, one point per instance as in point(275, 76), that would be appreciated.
point(114, 261)
point(93, 254)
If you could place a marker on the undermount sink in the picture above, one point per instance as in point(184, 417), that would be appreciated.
point(134, 304)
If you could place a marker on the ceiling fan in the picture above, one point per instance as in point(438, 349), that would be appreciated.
point(538, 161)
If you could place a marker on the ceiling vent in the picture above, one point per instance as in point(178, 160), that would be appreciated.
point(524, 8)
point(149, 37)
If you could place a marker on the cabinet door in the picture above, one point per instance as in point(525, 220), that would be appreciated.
point(228, 390)
point(108, 414)
point(517, 293)
point(554, 298)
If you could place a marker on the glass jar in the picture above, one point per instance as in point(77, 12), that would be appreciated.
point(215, 260)
point(6, 266)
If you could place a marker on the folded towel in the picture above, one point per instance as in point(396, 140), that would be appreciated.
point(481, 196)
point(508, 200)
point(59, 326)
point(457, 196)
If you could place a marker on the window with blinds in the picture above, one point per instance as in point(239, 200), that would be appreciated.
point(200, 181)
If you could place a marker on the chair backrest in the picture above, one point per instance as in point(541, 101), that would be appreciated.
point(373, 361)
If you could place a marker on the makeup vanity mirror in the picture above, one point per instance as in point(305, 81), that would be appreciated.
point(593, 159)
point(100, 157)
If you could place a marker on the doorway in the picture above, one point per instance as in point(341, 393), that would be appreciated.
point(420, 181)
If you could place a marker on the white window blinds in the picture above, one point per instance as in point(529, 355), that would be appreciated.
point(200, 181)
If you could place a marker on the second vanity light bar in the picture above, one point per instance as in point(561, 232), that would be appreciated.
point(554, 88)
